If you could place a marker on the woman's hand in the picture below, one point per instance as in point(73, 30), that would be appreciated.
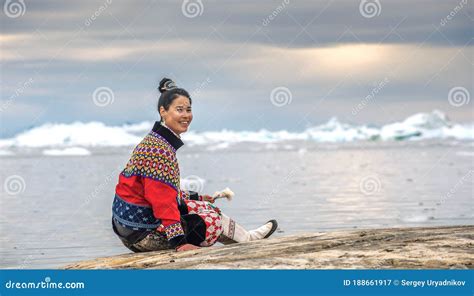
point(186, 247)
point(208, 198)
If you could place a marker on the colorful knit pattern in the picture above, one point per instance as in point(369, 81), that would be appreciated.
point(212, 218)
point(134, 216)
point(154, 158)
point(174, 230)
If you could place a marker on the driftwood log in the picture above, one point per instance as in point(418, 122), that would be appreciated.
point(398, 248)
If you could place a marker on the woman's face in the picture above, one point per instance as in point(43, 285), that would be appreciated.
point(179, 115)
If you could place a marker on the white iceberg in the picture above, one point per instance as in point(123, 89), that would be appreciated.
point(434, 125)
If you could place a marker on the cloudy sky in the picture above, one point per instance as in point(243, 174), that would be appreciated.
point(248, 64)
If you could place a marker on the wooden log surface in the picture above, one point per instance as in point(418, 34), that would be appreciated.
point(393, 248)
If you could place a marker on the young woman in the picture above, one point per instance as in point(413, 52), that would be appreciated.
point(150, 211)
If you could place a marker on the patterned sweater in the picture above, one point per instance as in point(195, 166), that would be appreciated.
point(148, 193)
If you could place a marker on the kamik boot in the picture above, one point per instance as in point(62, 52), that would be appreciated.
point(234, 233)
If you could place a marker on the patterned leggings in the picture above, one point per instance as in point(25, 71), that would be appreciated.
point(211, 215)
point(205, 212)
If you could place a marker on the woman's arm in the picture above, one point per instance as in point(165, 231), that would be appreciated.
point(162, 198)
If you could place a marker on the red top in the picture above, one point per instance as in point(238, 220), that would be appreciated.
point(151, 178)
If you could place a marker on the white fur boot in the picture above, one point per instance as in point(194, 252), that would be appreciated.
point(235, 233)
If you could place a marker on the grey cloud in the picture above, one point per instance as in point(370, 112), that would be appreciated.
point(131, 45)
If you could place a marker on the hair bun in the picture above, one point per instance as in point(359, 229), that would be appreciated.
point(166, 84)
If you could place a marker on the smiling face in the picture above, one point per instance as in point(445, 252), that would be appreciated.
point(179, 115)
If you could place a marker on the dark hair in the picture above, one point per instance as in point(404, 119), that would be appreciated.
point(169, 91)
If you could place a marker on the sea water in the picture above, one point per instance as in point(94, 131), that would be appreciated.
point(60, 209)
